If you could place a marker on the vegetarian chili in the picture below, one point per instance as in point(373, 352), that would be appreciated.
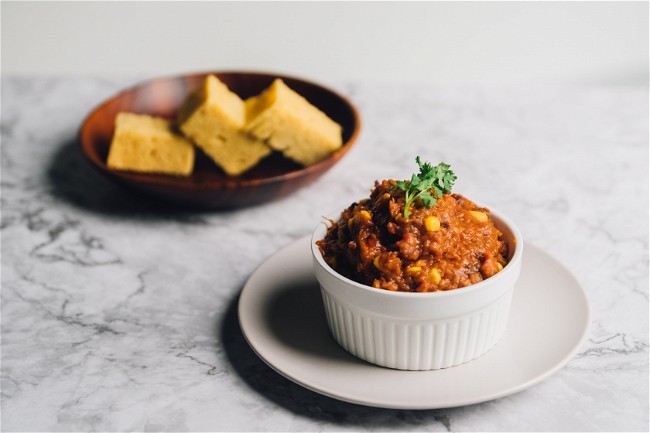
point(450, 244)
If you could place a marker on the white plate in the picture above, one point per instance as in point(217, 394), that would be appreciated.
point(282, 317)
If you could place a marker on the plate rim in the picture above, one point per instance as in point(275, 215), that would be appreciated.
point(326, 391)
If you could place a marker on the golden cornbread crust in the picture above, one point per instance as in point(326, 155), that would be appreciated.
point(148, 144)
point(235, 134)
point(213, 117)
point(291, 124)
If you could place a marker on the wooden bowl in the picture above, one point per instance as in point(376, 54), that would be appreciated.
point(209, 187)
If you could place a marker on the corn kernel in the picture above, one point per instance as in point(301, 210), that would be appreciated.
point(350, 222)
point(499, 267)
point(479, 216)
point(435, 276)
point(413, 269)
point(366, 215)
point(386, 196)
point(432, 224)
point(375, 262)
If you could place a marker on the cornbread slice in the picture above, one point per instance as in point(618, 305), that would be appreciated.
point(292, 125)
point(213, 117)
point(148, 144)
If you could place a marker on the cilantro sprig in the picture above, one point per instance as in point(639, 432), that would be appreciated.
point(428, 185)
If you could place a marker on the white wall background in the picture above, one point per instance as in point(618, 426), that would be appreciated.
point(463, 42)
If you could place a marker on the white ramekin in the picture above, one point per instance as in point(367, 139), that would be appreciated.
point(419, 331)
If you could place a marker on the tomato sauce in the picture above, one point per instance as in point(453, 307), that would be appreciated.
point(452, 244)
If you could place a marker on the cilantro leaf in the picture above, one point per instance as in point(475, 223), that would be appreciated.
point(427, 199)
point(402, 184)
point(428, 185)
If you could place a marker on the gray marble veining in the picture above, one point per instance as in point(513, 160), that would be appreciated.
point(119, 314)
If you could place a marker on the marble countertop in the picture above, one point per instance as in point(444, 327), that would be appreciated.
point(119, 314)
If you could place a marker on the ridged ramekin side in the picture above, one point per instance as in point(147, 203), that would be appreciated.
point(416, 344)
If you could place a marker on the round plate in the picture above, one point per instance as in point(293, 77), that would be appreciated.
point(208, 186)
point(282, 318)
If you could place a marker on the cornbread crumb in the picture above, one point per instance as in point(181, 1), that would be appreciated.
point(292, 125)
point(148, 144)
point(213, 117)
